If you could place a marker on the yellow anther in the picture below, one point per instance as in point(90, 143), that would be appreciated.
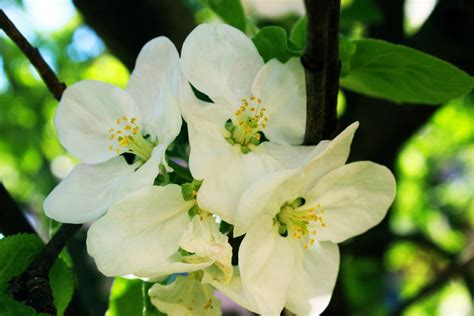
point(127, 127)
point(124, 118)
point(111, 130)
point(118, 121)
point(133, 120)
point(111, 147)
point(252, 98)
point(112, 136)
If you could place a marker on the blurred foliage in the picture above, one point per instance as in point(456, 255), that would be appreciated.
point(31, 158)
point(435, 169)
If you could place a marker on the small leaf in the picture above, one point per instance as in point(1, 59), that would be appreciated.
point(299, 31)
point(346, 50)
point(402, 74)
point(272, 42)
point(62, 283)
point(16, 254)
point(231, 11)
point(125, 298)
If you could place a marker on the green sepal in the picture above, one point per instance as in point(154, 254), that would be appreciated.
point(189, 190)
point(193, 211)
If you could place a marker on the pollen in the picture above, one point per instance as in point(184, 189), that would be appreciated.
point(248, 123)
point(126, 137)
point(299, 222)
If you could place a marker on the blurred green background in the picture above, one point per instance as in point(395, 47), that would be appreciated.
point(431, 225)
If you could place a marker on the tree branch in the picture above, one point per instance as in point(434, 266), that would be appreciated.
point(49, 77)
point(322, 67)
point(448, 273)
point(12, 220)
point(33, 285)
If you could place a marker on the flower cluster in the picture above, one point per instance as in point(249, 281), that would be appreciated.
point(251, 175)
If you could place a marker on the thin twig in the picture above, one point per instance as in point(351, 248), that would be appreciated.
point(443, 277)
point(12, 219)
point(322, 66)
point(32, 286)
point(55, 86)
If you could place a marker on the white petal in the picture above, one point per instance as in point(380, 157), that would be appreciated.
point(314, 278)
point(221, 191)
point(86, 112)
point(334, 155)
point(282, 89)
point(177, 264)
point(220, 61)
point(288, 156)
point(266, 263)
point(266, 196)
point(203, 239)
point(354, 198)
point(139, 232)
point(87, 192)
point(155, 85)
point(185, 297)
point(235, 291)
point(145, 175)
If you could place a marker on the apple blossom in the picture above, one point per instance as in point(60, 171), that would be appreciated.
point(186, 296)
point(293, 220)
point(98, 122)
point(149, 234)
point(253, 102)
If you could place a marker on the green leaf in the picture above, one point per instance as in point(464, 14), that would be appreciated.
point(231, 11)
point(125, 298)
point(402, 74)
point(10, 307)
point(16, 254)
point(346, 50)
point(62, 283)
point(299, 31)
point(272, 42)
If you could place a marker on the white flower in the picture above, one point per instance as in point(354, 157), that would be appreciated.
point(144, 235)
point(97, 122)
point(235, 291)
point(203, 239)
point(251, 99)
point(186, 296)
point(292, 220)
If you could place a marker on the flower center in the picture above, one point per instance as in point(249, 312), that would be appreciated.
point(297, 222)
point(127, 138)
point(247, 124)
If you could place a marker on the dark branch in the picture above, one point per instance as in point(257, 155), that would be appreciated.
point(444, 276)
point(322, 65)
point(49, 77)
point(32, 286)
point(12, 220)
